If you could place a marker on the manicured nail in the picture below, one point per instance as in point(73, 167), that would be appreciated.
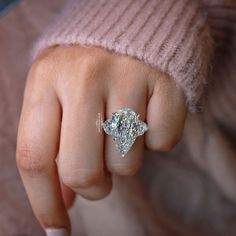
point(56, 232)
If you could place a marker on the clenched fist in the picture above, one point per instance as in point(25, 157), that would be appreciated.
point(61, 149)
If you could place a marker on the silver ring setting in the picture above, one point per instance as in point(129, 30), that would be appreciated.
point(124, 127)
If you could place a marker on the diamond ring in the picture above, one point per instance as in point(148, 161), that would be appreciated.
point(124, 127)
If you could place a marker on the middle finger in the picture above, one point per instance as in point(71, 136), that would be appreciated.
point(81, 163)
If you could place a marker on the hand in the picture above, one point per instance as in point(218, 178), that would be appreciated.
point(60, 148)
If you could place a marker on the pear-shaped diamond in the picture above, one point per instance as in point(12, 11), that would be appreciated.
point(125, 127)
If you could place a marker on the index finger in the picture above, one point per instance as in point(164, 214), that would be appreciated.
point(37, 147)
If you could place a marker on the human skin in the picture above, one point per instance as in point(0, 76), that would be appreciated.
point(61, 151)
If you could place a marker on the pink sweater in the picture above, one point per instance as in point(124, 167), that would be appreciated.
point(170, 35)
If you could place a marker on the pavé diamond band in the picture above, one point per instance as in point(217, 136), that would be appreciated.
point(124, 127)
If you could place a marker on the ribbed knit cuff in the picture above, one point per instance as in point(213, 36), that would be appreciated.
point(170, 35)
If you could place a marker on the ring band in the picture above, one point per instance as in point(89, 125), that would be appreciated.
point(124, 127)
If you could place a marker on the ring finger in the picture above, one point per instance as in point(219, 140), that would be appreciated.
point(137, 102)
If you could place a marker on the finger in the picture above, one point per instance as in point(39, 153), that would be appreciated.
point(166, 114)
point(37, 147)
point(68, 196)
point(99, 190)
point(81, 163)
point(135, 100)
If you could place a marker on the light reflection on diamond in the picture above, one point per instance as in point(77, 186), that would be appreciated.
point(125, 127)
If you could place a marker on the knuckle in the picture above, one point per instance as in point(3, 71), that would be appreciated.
point(41, 67)
point(90, 76)
point(100, 194)
point(93, 66)
point(44, 66)
point(162, 146)
point(166, 147)
point(124, 169)
point(80, 178)
point(30, 160)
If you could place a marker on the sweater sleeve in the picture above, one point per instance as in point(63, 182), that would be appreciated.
point(169, 35)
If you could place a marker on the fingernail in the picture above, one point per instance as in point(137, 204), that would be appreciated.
point(56, 232)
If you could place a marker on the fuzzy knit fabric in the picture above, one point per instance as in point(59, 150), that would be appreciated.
point(169, 35)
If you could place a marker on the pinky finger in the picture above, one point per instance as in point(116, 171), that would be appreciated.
point(166, 115)
point(37, 147)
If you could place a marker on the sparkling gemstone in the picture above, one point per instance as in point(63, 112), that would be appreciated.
point(125, 127)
